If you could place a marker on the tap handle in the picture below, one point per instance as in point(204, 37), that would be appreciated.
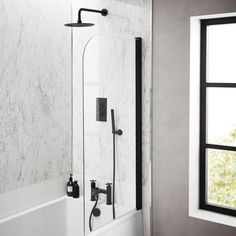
point(93, 183)
point(93, 187)
point(108, 185)
point(109, 193)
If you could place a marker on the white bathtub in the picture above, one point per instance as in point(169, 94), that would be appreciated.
point(64, 217)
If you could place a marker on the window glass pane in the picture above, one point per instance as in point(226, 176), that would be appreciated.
point(221, 116)
point(221, 51)
point(221, 178)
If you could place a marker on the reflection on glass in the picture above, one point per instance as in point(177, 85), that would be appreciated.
point(221, 116)
point(112, 77)
point(222, 178)
point(221, 50)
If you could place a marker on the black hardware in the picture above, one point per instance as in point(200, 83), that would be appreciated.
point(96, 191)
point(114, 132)
point(118, 132)
point(108, 193)
point(101, 109)
point(103, 12)
point(79, 22)
point(96, 212)
point(91, 213)
point(93, 187)
point(94, 197)
point(138, 116)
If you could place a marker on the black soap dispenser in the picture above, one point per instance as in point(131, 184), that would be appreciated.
point(75, 190)
point(70, 186)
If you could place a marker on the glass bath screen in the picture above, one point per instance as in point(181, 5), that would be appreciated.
point(109, 87)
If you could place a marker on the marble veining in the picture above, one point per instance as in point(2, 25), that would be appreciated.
point(35, 86)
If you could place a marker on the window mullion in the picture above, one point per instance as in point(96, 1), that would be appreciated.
point(220, 85)
point(220, 147)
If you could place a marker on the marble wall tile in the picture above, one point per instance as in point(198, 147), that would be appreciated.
point(35, 92)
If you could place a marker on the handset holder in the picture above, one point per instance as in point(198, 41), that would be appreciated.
point(114, 131)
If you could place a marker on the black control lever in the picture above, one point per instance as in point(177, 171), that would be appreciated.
point(93, 190)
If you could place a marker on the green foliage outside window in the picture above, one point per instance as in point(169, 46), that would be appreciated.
point(222, 175)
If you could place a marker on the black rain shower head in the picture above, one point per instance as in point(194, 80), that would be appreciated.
point(79, 23)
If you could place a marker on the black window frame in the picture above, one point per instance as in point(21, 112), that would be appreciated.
point(203, 144)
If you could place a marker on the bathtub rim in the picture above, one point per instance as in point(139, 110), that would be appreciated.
point(60, 199)
point(32, 209)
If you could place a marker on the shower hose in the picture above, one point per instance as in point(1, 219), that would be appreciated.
point(114, 132)
point(114, 176)
point(91, 214)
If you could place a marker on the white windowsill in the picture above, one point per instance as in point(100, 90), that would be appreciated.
point(194, 210)
point(213, 217)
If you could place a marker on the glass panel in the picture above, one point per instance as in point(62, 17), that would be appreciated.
point(221, 51)
point(222, 178)
point(109, 74)
point(221, 116)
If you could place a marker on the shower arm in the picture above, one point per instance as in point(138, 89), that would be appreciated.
point(103, 12)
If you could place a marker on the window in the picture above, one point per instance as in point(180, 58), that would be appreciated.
point(218, 115)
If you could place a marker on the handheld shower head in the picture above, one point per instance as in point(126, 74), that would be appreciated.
point(113, 126)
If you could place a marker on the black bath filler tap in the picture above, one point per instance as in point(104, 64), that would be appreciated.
point(96, 191)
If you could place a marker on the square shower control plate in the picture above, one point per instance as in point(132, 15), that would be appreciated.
point(101, 109)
